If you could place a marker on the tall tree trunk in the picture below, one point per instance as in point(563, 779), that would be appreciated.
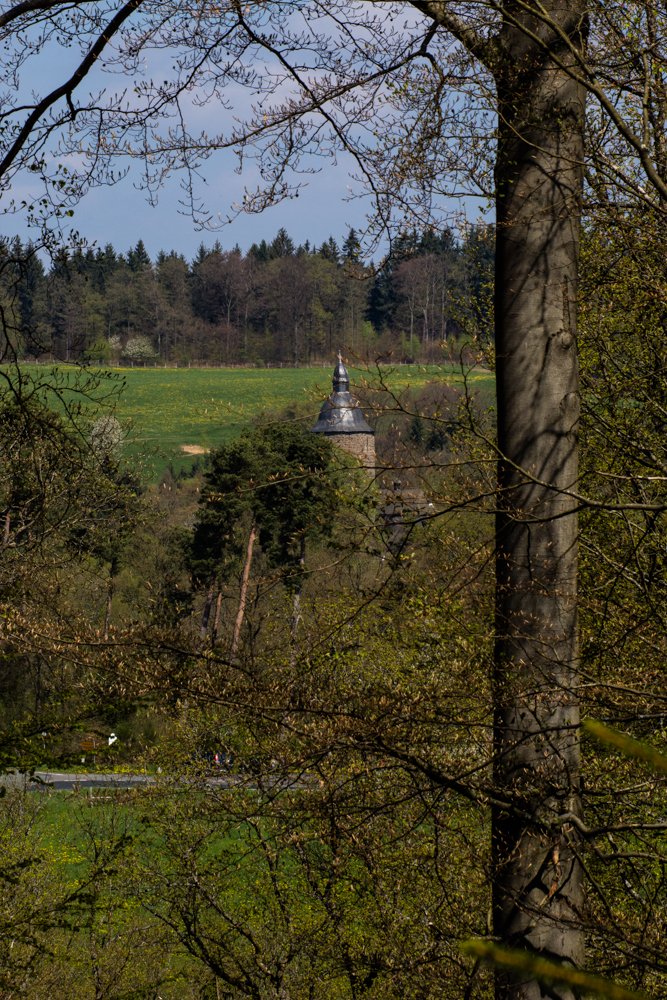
point(216, 620)
point(107, 620)
point(244, 591)
point(207, 611)
point(296, 610)
point(538, 891)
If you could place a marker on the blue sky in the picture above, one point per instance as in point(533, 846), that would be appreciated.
point(121, 214)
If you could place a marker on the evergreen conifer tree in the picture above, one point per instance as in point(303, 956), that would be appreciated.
point(109, 263)
point(138, 259)
point(260, 252)
point(329, 250)
point(439, 244)
point(352, 247)
point(30, 289)
point(202, 254)
point(381, 300)
point(282, 245)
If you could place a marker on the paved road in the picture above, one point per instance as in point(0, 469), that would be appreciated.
point(66, 782)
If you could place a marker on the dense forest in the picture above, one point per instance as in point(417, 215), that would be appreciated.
point(278, 303)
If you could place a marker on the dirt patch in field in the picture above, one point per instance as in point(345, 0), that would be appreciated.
point(193, 449)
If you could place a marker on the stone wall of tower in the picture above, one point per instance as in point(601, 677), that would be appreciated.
point(362, 446)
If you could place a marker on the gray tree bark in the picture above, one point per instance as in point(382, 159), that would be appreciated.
point(244, 590)
point(216, 620)
point(207, 611)
point(111, 586)
point(538, 885)
point(296, 609)
point(107, 619)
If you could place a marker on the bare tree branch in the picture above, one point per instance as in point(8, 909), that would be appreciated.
point(27, 8)
point(67, 88)
point(485, 49)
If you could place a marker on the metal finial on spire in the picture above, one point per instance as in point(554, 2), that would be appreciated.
point(341, 379)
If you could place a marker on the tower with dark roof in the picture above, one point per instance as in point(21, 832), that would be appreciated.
point(341, 418)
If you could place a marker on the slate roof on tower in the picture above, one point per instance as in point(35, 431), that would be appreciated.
point(341, 413)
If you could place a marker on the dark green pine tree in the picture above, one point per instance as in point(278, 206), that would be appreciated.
point(138, 259)
point(172, 255)
point(282, 245)
point(79, 264)
point(202, 254)
point(329, 250)
point(260, 252)
point(89, 267)
point(439, 244)
point(30, 289)
point(107, 264)
point(381, 300)
point(99, 271)
point(417, 430)
point(405, 246)
point(258, 487)
point(352, 247)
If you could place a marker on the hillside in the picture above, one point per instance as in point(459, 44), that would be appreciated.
point(172, 410)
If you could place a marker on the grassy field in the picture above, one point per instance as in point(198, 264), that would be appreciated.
point(166, 409)
point(172, 408)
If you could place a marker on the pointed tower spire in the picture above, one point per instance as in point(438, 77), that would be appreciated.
point(342, 417)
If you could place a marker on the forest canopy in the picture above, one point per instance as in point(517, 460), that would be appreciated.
point(279, 302)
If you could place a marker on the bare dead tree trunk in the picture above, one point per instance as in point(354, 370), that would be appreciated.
point(216, 620)
point(107, 620)
point(538, 885)
point(296, 610)
point(207, 612)
point(244, 591)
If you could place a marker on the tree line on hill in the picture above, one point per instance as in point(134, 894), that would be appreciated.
point(278, 303)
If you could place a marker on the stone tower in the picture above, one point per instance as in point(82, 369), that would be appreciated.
point(342, 419)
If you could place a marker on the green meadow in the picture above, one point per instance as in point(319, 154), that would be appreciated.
point(172, 413)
